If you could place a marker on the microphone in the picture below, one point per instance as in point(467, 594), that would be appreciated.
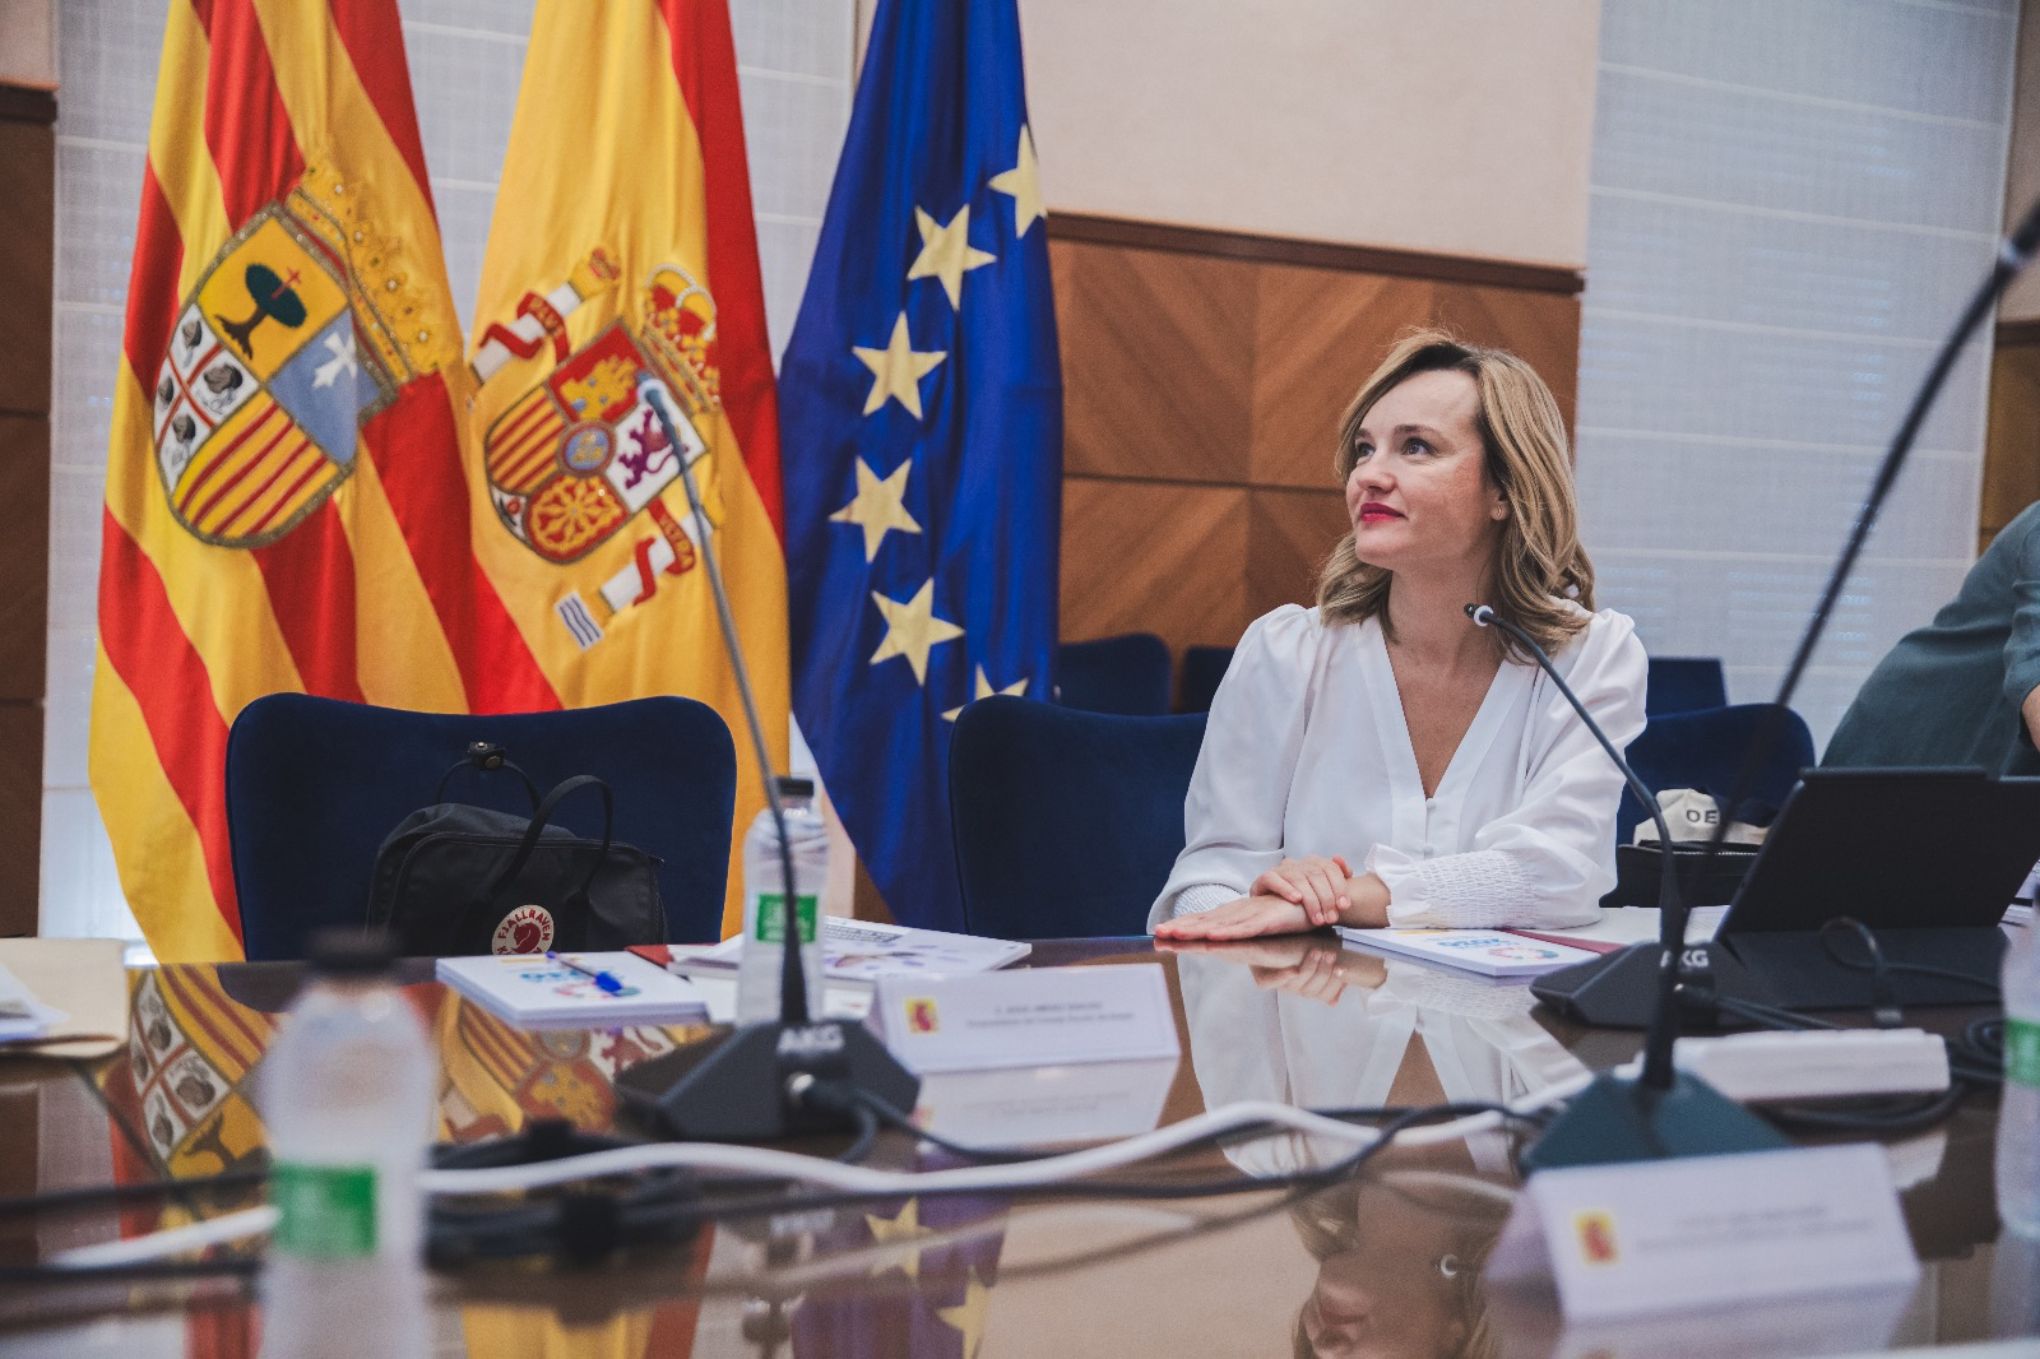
point(1598, 992)
point(1611, 990)
point(772, 1079)
point(1663, 1112)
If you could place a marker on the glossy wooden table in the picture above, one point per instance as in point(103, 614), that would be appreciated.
point(1389, 1264)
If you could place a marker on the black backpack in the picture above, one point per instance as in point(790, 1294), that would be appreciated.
point(454, 880)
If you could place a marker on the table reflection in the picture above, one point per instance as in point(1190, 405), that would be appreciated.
point(1299, 1020)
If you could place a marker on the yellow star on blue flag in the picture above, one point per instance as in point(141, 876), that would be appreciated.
point(925, 346)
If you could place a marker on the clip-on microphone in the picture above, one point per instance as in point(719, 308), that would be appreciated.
point(1663, 1111)
point(752, 1084)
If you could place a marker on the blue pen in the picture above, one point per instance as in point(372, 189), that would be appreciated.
point(606, 981)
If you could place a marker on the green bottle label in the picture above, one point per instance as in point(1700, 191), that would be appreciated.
point(772, 918)
point(2022, 1052)
point(326, 1212)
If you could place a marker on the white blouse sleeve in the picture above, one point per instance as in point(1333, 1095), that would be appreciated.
point(1239, 791)
point(1551, 859)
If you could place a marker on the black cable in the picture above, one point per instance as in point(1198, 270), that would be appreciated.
point(91, 1196)
point(899, 1119)
point(1880, 968)
point(1890, 1117)
point(1884, 1008)
point(867, 1133)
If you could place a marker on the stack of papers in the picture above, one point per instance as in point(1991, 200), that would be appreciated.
point(863, 950)
point(533, 993)
point(1492, 953)
point(1530, 953)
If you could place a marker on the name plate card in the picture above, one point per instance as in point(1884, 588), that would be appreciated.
point(1652, 1237)
point(1038, 1016)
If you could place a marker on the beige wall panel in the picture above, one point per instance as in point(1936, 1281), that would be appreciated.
point(1150, 557)
point(1318, 333)
point(1461, 126)
point(1155, 360)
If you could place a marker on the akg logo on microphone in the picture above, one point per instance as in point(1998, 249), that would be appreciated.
point(1695, 960)
point(820, 1040)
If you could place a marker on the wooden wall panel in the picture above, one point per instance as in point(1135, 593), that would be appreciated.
point(1318, 334)
point(1153, 557)
point(1289, 534)
point(24, 556)
point(21, 764)
point(1203, 378)
point(28, 214)
point(27, 281)
point(1542, 328)
point(1156, 381)
point(2011, 457)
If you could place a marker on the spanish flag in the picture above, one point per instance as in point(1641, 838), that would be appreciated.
point(285, 502)
point(623, 254)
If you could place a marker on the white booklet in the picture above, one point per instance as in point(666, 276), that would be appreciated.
point(533, 992)
point(862, 950)
point(1492, 953)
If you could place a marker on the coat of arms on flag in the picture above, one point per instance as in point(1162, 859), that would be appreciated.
point(275, 359)
point(582, 454)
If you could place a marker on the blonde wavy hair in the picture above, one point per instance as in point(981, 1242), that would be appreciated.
point(1540, 570)
point(1328, 1224)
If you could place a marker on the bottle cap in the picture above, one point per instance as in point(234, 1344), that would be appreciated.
point(794, 787)
point(351, 953)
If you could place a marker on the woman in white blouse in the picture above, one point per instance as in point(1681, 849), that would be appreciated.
point(1379, 759)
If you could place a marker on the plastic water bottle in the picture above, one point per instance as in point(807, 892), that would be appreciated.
point(807, 839)
point(347, 1097)
point(2018, 1137)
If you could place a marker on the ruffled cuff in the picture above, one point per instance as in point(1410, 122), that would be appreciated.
point(1202, 896)
point(1481, 889)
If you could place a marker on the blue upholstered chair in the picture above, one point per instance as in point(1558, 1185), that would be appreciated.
point(1681, 684)
point(1127, 674)
point(1203, 668)
point(1706, 749)
point(1067, 823)
point(314, 785)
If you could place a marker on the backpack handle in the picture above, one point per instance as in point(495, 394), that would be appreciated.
point(542, 815)
point(485, 756)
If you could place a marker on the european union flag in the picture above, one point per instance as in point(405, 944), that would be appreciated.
point(922, 405)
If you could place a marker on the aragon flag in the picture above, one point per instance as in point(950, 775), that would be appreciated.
point(285, 505)
point(623, 245)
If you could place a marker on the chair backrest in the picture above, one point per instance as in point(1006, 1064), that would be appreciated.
point(1067, 823)
point(1706, 750)
point(1125, 674)
point(314, 786)
point(1681, 684)
point(1203, 668)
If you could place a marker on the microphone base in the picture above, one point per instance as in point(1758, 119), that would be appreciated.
point(734, 1088)
point(1616, 1119)
point(1620, 990)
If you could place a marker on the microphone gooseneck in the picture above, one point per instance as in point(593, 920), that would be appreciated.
point(793, 996)
point(775, 1079)
point(2014, 253)
point(1664, 1023)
